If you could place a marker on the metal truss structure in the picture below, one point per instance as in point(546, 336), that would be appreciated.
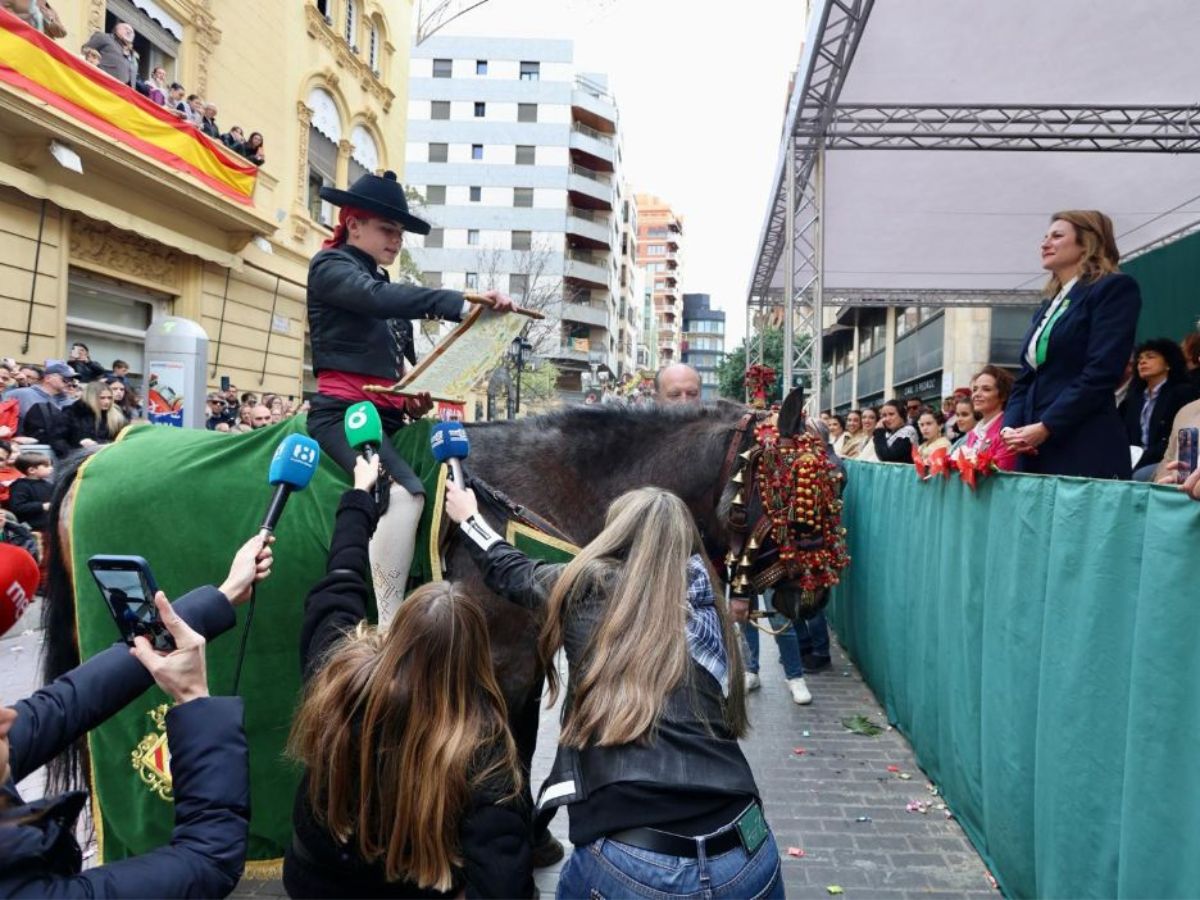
point(817, 123)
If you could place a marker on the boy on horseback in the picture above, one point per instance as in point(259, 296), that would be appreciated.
point(362, 335)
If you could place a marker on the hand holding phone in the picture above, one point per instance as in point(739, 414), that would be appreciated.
point(128, 588)
point(182, 673)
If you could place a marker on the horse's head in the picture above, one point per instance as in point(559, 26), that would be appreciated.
point(781, 511)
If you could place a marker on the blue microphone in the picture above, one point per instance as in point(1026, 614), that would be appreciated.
point(292, 468)
point(450, 445)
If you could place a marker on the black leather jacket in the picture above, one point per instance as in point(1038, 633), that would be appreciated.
point(350, 301)
point(692, 747)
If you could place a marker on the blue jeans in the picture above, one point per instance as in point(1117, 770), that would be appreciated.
point(607, 869)
point(789, 647)
point(814, 635)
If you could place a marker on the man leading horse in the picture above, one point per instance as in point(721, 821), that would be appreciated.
point(362, 335)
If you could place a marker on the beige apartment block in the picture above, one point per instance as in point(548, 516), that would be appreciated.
point(660, 237)
point(134, 237)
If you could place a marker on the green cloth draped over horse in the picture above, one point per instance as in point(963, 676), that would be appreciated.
point(186, 500)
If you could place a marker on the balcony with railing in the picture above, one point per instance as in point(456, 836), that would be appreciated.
point(588, 267)
point(589, 189)
point(593, 105)
point(142, 167)
point(592, 148)
point(590, 227)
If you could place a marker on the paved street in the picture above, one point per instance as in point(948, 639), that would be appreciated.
point(836, 803)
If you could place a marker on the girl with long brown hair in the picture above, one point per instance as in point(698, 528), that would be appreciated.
point(659, 794)
point(411, 785)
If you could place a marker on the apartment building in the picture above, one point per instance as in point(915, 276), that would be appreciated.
point(660, 234)
point(518, 156)
point(703, 343)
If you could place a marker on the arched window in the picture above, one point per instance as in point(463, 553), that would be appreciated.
point(373, 49)
point(351, 21)
point(364, 155)
point(323, 136)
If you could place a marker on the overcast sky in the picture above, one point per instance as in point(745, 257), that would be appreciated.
point(701, 91)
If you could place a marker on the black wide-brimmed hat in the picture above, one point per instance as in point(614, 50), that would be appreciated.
point(383, 195)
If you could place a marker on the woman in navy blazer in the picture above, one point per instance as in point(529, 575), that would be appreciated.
point(1062, 416)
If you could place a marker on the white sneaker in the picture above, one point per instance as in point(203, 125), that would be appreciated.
point(799, 691)
point(752, 682)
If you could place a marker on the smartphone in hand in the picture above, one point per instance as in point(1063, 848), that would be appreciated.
point(1189, 452)
point(128, 588)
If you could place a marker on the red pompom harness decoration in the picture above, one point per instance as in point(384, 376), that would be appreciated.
point(798, 488)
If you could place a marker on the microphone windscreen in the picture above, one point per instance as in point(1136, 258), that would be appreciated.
point(19, 578)
point(363, 425)
point(295, 462)
point(449, 441)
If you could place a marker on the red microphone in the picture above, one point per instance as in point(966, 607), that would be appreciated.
point(19, 577)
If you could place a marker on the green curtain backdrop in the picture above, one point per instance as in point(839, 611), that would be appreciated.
point(1170, 281)
point(1036, 640)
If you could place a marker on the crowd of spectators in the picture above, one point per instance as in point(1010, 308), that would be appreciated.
point(1158, 395)
point(231, 412)
point(113, 53)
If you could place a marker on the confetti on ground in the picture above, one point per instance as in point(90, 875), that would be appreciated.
point(860, 724)
point(904, 776)
point(991, 880)
point(799, 751)
point(804, 734)
point(863, 819)
point(920, 806)
point(933, 789)
point(835, 889)
point(893, 768)
point(795, 852)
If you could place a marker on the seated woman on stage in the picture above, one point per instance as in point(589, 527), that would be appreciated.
point(932, 438)
point(411, 784)
point(870, 420)
point(855, 437)
point(660, 797)
point(990, 389)
point(894, 438)
point(1156, 395)
point(1061, 418)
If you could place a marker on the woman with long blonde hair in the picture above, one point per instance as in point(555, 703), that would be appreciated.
point(411, 784)
point(94, 418)
point(1060, 417)
point(659, 795)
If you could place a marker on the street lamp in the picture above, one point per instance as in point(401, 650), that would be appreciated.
point(516, 352)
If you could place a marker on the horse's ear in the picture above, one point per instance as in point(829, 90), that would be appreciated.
point(791, 413)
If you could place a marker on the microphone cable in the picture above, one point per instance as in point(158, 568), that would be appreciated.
point(237, 672)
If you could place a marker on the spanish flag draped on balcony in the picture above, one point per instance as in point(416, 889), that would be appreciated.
point(32, 63)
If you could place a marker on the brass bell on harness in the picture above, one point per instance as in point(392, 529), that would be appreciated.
point(730, 558)
point(738, 478)
point(738, 498)
point(753, 543)
point(746, 454)
point(745, 562)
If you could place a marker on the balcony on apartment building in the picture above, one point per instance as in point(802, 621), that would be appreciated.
point(589, 189)
point(592, 105)
point(587, 267)
point(591, 148)
point(74, 136)
point(589, 228)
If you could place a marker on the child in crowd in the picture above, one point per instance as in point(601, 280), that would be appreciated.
point(932, 438)
point(29, 495)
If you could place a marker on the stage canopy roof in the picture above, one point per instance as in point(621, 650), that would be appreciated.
point(1106, 88)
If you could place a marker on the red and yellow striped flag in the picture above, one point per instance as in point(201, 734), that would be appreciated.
point(36, 65)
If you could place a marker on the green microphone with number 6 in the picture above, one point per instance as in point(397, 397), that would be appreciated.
point(364, 428)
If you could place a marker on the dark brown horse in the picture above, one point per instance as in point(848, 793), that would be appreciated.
point(566, 467)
